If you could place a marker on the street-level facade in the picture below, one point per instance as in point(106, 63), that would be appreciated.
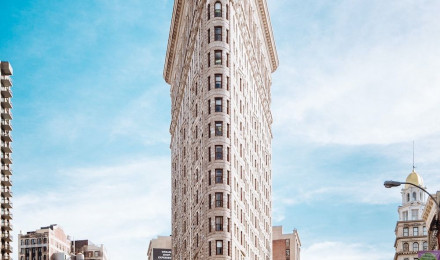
point(285, 246)
point(411, 231)
point(219, 62)
point(6, 160)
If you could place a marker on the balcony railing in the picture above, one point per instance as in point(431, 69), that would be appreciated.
point(6, 103)
point(6, 113)
point(6, 82)
point(6, 158)
point(6, 193)
point(6, 125)
point(6, 170)
point(6, 181)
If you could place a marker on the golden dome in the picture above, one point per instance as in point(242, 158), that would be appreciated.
point(414, 178)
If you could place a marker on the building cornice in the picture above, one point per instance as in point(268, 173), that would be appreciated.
point(172, 40)
point(174, 29)
point(270, 41)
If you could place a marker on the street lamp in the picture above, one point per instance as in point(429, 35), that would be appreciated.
point(392, 184)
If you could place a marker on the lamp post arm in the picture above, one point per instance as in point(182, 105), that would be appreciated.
point(429, 194)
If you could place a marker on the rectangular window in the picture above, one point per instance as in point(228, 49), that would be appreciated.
point(415, 231)
point(227, 60)
point(227, 12)
point(229, 201)
point(287, 252)
point(405, 232)
point(209, 35)
point(219, 247)
point(209, 59)
point(209, 107)
point(405, 216)
point(209, 248)
point(228, 177)
point(227, 36)
point(227, 107)
point(218, 199)
point(219, 152)
point(218, 175)
point(414, 214)
point(218, 223)
point(218, 33)
point(209, 154)
point(209, 200)
point(218, 128)
point(218, 80)
point(209, 130)
point(425, 232)
point(209, 83)
point(209, 224)
point(227, 154)
point(218, 105)
point(209, 177)
point(227, 83)
point(227, 130)
point(218, 57)
point(218, 9)
point(208, 12)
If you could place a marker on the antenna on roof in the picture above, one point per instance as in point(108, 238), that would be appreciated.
point(414, 167)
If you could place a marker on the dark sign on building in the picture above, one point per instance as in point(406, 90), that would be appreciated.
point(161, 254)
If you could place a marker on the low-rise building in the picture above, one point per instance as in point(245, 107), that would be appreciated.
point(285, 246)
point(89, 250)
point(43, 244)
point(160, 248)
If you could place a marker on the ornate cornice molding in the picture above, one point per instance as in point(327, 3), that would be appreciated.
point(270, 41)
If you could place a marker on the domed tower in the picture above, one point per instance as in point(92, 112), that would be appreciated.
point(411, 233)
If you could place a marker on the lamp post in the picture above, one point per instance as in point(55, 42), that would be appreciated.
point(392, 184)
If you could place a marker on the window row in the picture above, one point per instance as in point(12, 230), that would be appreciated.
point(218, 105)
point(218, 129)
point(218, 82)
point(219, 153)
point(218, 34)
point(415, 231)
point(218, 200)
point(219, 225)
point(219, 248)
point(218, 58)
point(219, 177)
point(218, 10)
point(415, 247)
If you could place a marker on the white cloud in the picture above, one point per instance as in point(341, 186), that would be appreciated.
point(377, 83)
point(331, 250)
point(120, 206)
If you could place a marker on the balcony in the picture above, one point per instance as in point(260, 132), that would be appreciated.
point(6, 204)
point(6, 125)
point(6, 159)
point(6, 193)
point(6, 103)
point(6, 148)
point(6, 171)
point(6, 68)
point(7, 237)
point(6, 136)
point(6, 214)
point(6, 225)
point(6, 181)
point(6, 114)
point(6, 82)
point(6, 248)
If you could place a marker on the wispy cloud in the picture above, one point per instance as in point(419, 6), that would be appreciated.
point(121, 205)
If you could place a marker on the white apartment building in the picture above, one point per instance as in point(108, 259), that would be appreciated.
point(219, 62)
point(6, 160)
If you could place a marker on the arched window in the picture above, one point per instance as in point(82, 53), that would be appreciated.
point(407, 197)
point(405, 247)
point(425, 246)
point(415, 247)
point(218, 9)
point(414, 196)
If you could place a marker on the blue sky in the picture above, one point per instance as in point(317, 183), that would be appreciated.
point(357, 82)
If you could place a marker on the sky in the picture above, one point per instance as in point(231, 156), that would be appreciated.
point(358, 82)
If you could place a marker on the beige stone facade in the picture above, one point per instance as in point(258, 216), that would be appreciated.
point(160, 246)
point(6, 160)
point(89, 250)
point(285, 246)
point(411, 231)
point(219, 62)
point(43, 244)
point(430, 216)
